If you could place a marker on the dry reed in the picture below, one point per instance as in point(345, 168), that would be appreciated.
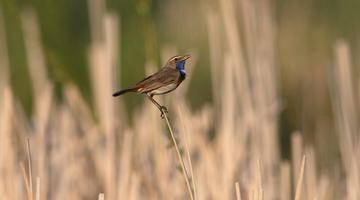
point(181, 160)
point(80, 154)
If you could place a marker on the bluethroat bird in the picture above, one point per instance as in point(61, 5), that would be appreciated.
point(164, 81)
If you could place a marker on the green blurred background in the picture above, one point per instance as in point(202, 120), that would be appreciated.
point(305, 35)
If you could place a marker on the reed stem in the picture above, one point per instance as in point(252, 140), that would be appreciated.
point(184, 171)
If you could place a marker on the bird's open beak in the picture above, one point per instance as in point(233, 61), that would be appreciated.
point(186, 57)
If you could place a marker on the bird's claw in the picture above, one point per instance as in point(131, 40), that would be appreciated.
point(163, 110)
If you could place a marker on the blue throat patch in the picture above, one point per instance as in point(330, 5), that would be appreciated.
point(181, 67)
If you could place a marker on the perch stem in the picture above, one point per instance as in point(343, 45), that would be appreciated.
point(184, 171)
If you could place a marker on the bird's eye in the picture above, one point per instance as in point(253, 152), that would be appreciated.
point(176, 59)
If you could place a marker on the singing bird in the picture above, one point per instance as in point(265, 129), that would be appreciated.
point(164, 81)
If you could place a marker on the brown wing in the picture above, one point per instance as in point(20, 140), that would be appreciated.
point(161, 78)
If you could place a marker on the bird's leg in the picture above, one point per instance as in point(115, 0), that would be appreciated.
point(162, 109)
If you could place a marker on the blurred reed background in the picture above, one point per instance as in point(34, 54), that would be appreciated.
point(269, 109)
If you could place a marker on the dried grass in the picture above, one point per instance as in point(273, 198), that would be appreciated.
point(76, 154)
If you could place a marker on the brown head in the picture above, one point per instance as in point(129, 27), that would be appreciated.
point(177, 62)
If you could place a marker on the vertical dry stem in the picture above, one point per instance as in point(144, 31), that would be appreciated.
point(184, 171)
point(300, 179)
point(26, 181)
point(101, 196)
point(29, 167)
point(237, 189)
point(37, 194)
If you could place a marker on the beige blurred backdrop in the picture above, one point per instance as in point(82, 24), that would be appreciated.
point(269, 109)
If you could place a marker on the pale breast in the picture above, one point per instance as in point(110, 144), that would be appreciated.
point(164, 89)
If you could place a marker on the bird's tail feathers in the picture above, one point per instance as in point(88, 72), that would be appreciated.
point(124, 91)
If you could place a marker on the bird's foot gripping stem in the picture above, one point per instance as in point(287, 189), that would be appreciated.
point(163, 110)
